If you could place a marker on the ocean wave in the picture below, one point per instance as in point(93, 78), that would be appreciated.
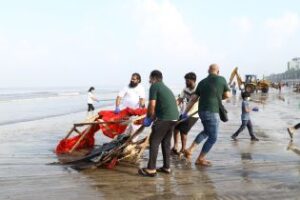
point(8, 96)
point(48, 115)
point(36, 95)
point(29, 95)
point(70, 93)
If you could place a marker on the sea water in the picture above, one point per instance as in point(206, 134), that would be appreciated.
point(27, 104)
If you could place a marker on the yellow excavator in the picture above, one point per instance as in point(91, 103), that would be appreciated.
point(251, 82)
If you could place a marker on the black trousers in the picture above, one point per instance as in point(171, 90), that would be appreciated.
point(245, 123)
point(161, 134)
point(90, 107)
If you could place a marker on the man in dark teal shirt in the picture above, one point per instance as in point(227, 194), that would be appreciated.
point(162, 109)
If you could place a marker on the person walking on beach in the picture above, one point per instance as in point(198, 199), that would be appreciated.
point(209, 91)
point(182, 129)
point(132, 95)
point(233, 88)
point(163, 112)
point(279, 87)
point(246, 121)
point(291, 130)
point(90, 101)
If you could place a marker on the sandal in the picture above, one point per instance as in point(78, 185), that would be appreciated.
point(163, 170)
point(144, 172)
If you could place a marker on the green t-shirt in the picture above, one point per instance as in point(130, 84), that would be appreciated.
point(166, 107)
point(208, 89)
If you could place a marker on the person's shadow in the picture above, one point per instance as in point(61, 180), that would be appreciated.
point(246, 158)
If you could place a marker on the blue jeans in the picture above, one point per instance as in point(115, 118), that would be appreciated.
point(210, 123)
point(245, 123)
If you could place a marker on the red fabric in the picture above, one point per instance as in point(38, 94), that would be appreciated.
point(110, 130)
point(65, 145)
point(112, 163)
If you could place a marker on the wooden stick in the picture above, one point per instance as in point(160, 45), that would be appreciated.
point(182, 120)
point(91, 118)
point(87, 130)
point(81, 138)
point(102, 122)
point(134, 119)
point(69, 133)
point(144, 145)
point(124, 122)
point(77, 131)
point(118, 149)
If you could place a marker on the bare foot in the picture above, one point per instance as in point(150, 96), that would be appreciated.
point(187, 154)
point(203, 162)
point(182, 150)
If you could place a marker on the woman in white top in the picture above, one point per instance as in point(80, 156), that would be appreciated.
point(91, 100)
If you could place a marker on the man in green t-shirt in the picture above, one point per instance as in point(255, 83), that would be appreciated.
point(162, 109)
point(208, 91)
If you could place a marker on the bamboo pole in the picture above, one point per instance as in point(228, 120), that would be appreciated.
point(70, 132)
point(143, 146)
point(123, 122)
point(133, 120)
point(77, 131)
point(110, 155)
point(101, 122)
point(80, 139)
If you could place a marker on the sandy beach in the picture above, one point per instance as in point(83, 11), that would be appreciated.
point(268, 169)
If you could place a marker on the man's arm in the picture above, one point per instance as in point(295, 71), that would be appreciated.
point(142, 96)
point(226, 95)
point(142, 102)
point(151, 109)
point(192, 101)
point(118, 101)
point(180, 98)
point(179, 101)
point(121, 94)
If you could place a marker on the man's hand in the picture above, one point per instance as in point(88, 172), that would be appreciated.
point(183, 116)
point(117, 110)
point(147, 121)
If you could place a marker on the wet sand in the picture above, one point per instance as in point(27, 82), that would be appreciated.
point(268, 169)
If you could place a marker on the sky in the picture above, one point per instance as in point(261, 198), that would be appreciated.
point(96, 42)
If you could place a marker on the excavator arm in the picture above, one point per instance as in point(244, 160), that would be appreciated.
point(239, 80)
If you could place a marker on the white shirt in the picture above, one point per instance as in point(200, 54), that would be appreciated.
point(131, 96)
point(186, 95)
point(90, 99)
